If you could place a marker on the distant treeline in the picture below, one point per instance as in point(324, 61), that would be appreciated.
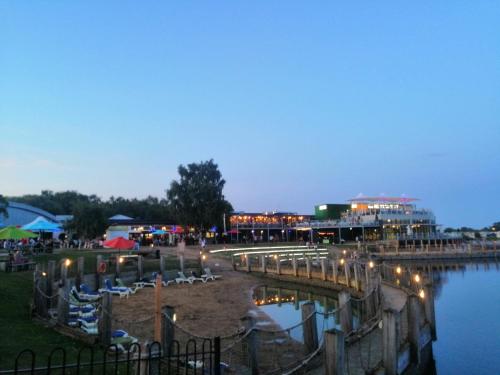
point(68, 203)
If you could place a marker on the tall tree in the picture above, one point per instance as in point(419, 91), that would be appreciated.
point(3, 206)
point(197, 198)
point(88, 221)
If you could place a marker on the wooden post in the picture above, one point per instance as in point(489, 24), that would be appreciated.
point(181, 262)
point(162, 264)
point(233, 263)
point(140, 273)
point(279, 297)
point(323, 269)
point(335, 272)
point(278, 265)
point(309, 327)
point(263, 263)
point(63, 304)
point(390, 340)
point(97, 274)
point(105, 323)
point(251, 344)
point(347, 272)
point(308, 267)
point(430, 314)
point(414, 327)
point(294, 266)
point(51, 272)
point(80, 266)
point(356, 276)
point(334, 352)
point(158, 308)
point(296, 300)
point(345, 312)
point(168, 330)
point(247, 263)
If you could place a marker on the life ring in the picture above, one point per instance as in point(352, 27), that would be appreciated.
point(102, 267)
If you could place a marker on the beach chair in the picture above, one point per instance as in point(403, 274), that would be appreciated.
point(166, 281)
point(182, 279)
point(121, 284)
point(122, 340)
point(80, 299)
point(209, 276)
point(119, 291)
point(87, 293)
point(147, 282)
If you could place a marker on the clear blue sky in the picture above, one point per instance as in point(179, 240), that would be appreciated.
point(298, 102)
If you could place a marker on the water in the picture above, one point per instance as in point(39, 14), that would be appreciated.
point(468, 321)
point(284, 307)
point(467, 306)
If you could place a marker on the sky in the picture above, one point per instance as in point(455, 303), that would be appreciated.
point(298, 102)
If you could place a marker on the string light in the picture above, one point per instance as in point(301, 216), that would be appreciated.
point(417, 278)
point(203, 257)
point(120, 259)
point(342, 261)
point(398, 270)
point(344, 252)
point(275, 256)
point(174, 317)
point(44, 273)
point(421, 294)
point(67, 262)
point(371, 264)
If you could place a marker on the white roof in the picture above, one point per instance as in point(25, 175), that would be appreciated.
point(120, 217)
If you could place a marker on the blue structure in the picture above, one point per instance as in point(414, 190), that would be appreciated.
point(21, 214)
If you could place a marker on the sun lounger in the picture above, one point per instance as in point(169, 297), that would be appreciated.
point(80, 299)
point(209, 276)
point(182, 279)
point(85, 290)
point(119, 291)
point(147, 282)
point(121, 284)
point(122, 340)
point(166, 280)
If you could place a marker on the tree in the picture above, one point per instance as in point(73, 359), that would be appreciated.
point(88, 221)
point(3, 206)
point(197, 199)
point(449, 230)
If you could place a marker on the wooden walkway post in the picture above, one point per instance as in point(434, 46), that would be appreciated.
point(347, 272)
point(345, 315)
point(140, 269)
point(263, 263)
point(390, 340)
point(335, 272)
point(309, 327)
point(278, 265)
point(357, 281)
point(430, 313)
point(105, 323)
point(168, 330)
point(247, 263)
point(414, 318)
point(308, 267)
point(251, 344)
point(117, 266)
point(323, 269)
point(80, 269)
point(294, 266)
point(64, 271)
point(334, 352)
point(158, 308)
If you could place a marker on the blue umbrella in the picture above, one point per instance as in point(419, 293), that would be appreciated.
point(159, 232)
point(40, 224)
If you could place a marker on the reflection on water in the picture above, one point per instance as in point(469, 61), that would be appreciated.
point(284, 307)
point(468, 319)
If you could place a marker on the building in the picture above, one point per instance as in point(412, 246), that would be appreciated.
point(373, 218)
point(265, 226)
point(20, 214)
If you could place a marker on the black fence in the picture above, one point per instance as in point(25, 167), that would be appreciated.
point(202, 357)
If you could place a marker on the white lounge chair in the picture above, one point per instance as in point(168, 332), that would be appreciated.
point(119, 291)
point(209, 276)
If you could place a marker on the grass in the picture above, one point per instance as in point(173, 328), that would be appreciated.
point(17, 330)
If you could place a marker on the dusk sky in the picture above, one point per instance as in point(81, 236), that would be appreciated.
point(299, 102)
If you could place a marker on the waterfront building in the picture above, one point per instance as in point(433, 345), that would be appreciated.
point(375, 218)
point(20, 214)
point(265, 226)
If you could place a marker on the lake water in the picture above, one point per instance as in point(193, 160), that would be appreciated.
point(467, 306)
point(468, 321)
